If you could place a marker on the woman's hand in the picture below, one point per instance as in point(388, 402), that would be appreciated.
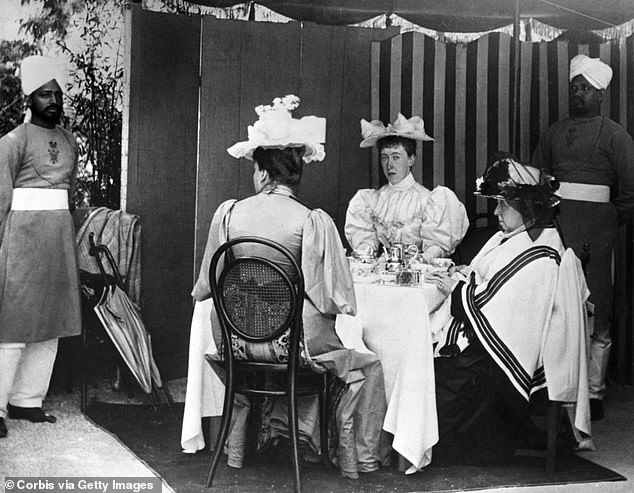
point(458, 269)
point(384, 240)
point(432, 253)
point(443, 281)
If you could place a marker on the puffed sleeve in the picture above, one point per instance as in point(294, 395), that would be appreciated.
point(359, 228)
point(445, 221)
point(327, 278)
point(217, 236)
point(10, 158)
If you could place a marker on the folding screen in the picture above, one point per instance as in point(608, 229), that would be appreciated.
point(193, 85)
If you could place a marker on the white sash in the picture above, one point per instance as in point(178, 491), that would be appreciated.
point(584, 191)
point(39, 199)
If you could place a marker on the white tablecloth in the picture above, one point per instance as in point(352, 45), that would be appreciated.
point(393, 322)
point(205, 391)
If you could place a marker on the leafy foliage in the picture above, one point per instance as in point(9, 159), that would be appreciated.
point(11, 98)
point(88, 33)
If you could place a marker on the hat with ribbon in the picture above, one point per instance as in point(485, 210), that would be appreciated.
point(277, 129)
point(596, 72)
point(505, 178)
point(408, 128)
point(37, 70)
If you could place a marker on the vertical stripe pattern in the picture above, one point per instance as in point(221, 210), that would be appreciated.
point(464, 92)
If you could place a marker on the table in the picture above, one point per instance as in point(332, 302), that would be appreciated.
point(395, 323)
point(205, 391)
point(392, 321)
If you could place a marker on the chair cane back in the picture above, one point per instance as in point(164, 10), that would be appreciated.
point(259, 306)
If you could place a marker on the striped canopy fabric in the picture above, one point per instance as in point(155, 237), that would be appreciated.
point(464, 93)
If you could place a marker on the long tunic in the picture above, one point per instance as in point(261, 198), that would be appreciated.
point(406, 213)
point(39, 281)
point(594, 151)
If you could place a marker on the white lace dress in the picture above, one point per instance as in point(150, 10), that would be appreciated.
point(407, 213)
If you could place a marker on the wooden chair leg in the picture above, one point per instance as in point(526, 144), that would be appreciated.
point(293, 425)
point(84, 367)
point(554, 409)
point(227, 411)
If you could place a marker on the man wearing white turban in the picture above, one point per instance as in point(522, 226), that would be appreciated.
point(39, 282)
point(593, 158)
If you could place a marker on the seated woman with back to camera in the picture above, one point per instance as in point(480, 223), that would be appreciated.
point(516, 326)
point(279, 146)
point(403, 211)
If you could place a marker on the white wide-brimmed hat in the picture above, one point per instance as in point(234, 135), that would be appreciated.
point(408, 128)
point(37, 70)
point(276, 129)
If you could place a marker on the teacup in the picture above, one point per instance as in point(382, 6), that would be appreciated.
point(442, 263)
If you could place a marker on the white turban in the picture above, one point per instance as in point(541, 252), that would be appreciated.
point(596, 72)
point(37, 70)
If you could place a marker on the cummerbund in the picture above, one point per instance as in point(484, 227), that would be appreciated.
point(39, 199)
point(584, 191)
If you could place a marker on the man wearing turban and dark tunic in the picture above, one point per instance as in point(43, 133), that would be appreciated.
point(593, 158)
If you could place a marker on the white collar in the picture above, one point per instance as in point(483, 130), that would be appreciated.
point(510, 234)
point(404, 184)
point(277, 188)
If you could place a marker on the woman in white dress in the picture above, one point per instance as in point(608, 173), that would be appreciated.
point(403, 211)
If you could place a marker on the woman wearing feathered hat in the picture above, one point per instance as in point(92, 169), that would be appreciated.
point(517, 318)
point(403, 211)
point(279, 145)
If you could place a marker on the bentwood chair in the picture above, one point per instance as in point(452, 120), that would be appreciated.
point(259, 306)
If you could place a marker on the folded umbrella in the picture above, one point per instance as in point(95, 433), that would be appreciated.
point(123, 324)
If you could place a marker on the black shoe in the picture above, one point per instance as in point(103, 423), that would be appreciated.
point(32, 414)
point(596, 409)
point(3, 428)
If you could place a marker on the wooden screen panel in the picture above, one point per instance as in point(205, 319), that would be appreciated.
point(322, 67)
point(244, 64)
point(270, 69)
point(218, 172)
point(162, 173)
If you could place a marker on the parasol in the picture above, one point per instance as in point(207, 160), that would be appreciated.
point(122, 322)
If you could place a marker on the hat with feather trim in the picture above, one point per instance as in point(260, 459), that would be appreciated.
point(277, 129)
point(408, 128)
point(505, 178)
